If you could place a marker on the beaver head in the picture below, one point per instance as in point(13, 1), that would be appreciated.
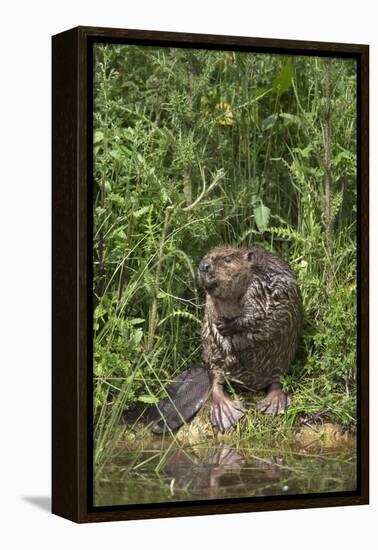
point(225, 272)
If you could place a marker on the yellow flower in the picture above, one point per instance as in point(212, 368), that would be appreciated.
point(228, 118)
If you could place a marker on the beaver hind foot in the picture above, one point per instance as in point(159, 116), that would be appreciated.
point(275, 402)
point(224, 412)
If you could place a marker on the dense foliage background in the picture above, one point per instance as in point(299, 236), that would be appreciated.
point(195, 148)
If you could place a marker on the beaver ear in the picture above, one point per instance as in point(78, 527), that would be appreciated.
point(251, 255)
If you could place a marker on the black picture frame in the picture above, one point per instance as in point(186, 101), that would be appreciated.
point(72, 470)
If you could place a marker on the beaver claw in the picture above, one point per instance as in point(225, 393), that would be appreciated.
point(225, 413)
point(276, 402)
point(226, 326)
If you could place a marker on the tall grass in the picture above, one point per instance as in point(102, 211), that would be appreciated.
point(195, 148)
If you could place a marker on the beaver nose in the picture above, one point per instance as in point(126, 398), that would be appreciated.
point(204, 265)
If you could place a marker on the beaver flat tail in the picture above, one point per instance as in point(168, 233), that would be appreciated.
point(186, 395)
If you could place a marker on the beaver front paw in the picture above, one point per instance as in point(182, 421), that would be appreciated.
point(227, 326)
point(276, 402)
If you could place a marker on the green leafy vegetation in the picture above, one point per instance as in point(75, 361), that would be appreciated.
point(196, 148)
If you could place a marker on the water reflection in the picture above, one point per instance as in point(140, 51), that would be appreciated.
point(188, 472)
point(201, 472)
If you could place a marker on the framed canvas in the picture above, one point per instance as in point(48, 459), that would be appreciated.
point(210, 274)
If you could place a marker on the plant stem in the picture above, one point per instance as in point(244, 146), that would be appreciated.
point(328, 153)
point(154, 316)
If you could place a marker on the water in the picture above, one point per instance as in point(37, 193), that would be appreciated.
point(171, 472)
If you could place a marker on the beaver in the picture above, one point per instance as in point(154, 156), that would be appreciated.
point(251, 327)
point(252, 322)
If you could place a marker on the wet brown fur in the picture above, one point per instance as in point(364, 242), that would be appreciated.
point(252, 321)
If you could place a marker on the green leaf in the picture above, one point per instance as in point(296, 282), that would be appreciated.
point(137, 336)
point(148, 399)
point(282, 82)
point(305, 153)
point(136, 321)
point(262, 215)
point(99, 312)
point(98, 136)
point(116, 154)
point(261, 92)
point(269, 121)
point(120, 234)
point(138, 213)
point(288, 118)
